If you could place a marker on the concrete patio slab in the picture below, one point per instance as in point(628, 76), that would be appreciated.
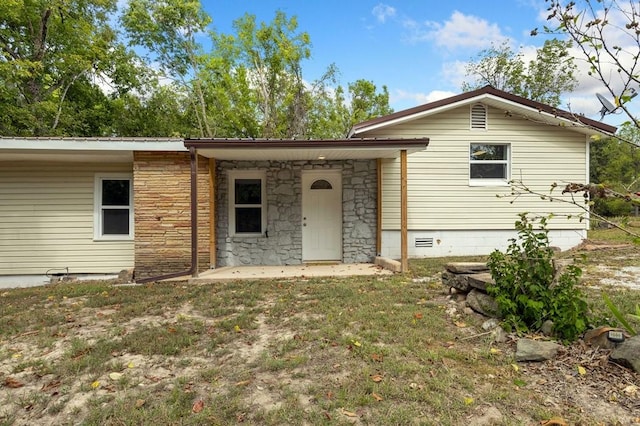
point(230, 273)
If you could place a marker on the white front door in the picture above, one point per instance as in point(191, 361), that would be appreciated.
point(321, 215)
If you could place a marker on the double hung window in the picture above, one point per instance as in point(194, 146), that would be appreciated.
point(113, 207)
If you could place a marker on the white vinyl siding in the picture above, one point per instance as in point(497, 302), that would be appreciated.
point(440, 197)
point(47, 220)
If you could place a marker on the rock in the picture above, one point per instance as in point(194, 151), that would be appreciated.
point(499, 335)
point(490, 324)
point(547, 328)
point(466, 267)
point(480, 281)
point(483, 303)
point(125, 276)
point(559, 268)
point(536, 350)
point(598, 337)
point(458, 281)
point(628, 353)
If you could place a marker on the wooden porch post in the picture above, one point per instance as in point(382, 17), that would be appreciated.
point(379, 209)
point(404, 257)
point(212, 213)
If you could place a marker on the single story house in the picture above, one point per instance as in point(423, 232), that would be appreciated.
point(420, 182)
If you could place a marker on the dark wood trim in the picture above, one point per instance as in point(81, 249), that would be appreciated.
point(194, 211)
point(421, 143)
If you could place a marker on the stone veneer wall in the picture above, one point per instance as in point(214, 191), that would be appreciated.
point(162, 212)
point(284, 209)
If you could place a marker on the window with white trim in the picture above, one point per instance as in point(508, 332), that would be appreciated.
point(489, 164)
point(247, 202)
point(478, 117)
point(113, 207)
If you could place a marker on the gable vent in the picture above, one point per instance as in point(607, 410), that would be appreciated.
point(478, 117)
point(424, 242)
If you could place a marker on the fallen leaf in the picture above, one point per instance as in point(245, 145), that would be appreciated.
point(16, 356)
point(356, 343)
point(376, 397)
point(448, 344)
point(417, 315)
point(95, 384)
point(243, 383)
point(377, 357)
point(115, 376)
point(468, 401)
point(130, 365)
point(198, 406)
point(140, 403)
point(495, 350)
point(171, 329)
point(515, 367)
point(12, 383)
point(51, 385)
point(460, 324)
point(329, 395)
point(581, 370)
point(376, 378)
point(348, 413)
point(554, 421)
point(237, 328)
point(630, 390)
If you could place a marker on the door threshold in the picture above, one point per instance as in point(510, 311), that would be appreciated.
point(320, 262)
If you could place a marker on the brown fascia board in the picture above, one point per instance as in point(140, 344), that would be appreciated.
point(489, 90)
point(306, 143)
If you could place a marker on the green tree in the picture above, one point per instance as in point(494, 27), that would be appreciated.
point(256, 79)
point(168, 30)
point(336, 112)
point(616, 165)
point(543, 79)
point(50, 49)
point(163, 112)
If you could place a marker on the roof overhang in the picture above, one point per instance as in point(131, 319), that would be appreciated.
point(511, 105)
point(298, 149)
point(108, 150)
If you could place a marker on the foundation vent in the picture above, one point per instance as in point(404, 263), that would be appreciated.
point(424, 242)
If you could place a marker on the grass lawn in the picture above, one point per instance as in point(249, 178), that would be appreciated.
point(366, 350)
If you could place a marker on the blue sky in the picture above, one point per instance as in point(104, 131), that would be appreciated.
point(417, 48)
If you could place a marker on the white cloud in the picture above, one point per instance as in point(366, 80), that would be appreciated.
point(383, 11)
point(459, 31)
point(409, 99)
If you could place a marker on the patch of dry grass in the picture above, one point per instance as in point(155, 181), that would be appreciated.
point(365, 350)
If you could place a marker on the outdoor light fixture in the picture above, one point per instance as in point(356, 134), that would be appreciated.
point(321, 157)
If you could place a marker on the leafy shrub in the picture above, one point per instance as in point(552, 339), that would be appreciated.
point(611, 207)
point(527, 290)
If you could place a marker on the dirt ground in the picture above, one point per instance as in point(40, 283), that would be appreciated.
point(607, 391)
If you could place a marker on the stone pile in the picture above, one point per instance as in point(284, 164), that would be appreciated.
point(471, 279)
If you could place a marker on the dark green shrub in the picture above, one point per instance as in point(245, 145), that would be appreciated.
point(527, 290)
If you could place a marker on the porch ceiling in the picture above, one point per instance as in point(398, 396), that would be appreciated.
point(294, 149)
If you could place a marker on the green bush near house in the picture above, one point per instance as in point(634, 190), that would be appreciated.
point(528, 290)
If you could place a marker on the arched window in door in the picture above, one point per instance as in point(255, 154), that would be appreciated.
point(321, 184)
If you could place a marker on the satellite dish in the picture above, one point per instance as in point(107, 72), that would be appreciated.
point(607, 107)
